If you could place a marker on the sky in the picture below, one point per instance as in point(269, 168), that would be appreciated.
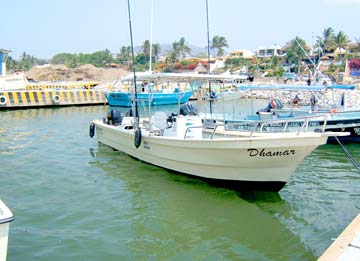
point(43, 28)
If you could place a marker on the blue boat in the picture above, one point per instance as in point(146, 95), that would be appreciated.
point(150, 96)
point(125, 99)
point(339, 118)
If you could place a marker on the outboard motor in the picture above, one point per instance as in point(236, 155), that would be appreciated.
point(188, 109)
point(114, 117)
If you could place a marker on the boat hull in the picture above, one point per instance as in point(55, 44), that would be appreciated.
point(6, 216)
point(4, 234)
point(124, 99)
point(256, 162)
point(354, 136)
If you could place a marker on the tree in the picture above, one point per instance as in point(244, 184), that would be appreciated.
point(357, 40)
point(218, 43)
point(27, 61)
point(62, 58)
point(180, 49)
point(294, 53)
point(98, 59)
point(125, 54)
point(341, 41)
point(171, 57)
point(326, 41)
point(146, 48)
point(156, 50)
point(11, 64)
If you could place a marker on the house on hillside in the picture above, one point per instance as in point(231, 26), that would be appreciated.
point(242, 53)
point(275, 50)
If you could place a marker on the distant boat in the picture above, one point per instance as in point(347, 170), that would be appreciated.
point(339, 118)
point(125, 99)
point(148, 94)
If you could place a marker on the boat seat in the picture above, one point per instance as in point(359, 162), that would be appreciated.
point(158, 122)
point(266, 115)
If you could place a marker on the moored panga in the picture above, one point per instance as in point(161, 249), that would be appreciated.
point(182, 143)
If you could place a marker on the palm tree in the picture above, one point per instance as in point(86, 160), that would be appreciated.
point(125, 53)
point(341, 41)
point(180, 48)
point(295, 53)
point(218, 43)
point(357, 40)
point(326, 41)
point(156, 50)
point(170, 57)
point(146, 48)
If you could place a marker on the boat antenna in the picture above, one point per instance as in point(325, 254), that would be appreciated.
point(151, 32)
point(133, 65)
point(208, 47)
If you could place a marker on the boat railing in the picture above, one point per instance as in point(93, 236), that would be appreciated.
point(283, 125)
point(279, 126)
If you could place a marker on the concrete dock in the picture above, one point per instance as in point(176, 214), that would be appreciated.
point(347, 245)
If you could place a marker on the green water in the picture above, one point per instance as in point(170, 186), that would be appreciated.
point(75, 199)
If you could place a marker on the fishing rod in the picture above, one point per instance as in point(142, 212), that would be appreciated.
point(137, 130)
point(133, 63)
point(151, 32)
point(208, 47)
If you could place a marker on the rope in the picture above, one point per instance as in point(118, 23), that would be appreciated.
point(348, 154)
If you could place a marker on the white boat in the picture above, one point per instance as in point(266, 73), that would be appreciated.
point(249, 159)
point(232, 159)
point(182, 143)
point(6, 216)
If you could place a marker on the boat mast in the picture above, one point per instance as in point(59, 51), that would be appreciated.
point(208, 47)
point(151, 32)
point(136, 116)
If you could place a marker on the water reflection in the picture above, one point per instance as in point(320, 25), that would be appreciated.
point(177, 216)
point(108, 205)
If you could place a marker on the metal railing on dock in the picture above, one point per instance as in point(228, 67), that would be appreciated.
point(61, 85)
